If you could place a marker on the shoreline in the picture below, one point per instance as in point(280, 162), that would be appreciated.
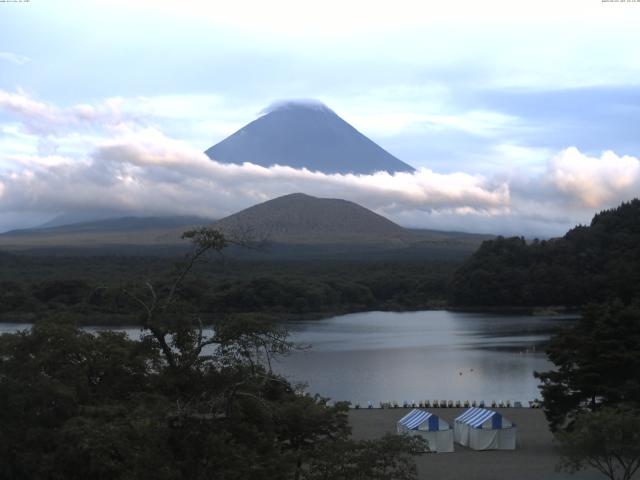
point(27, 318)
point(535, 457)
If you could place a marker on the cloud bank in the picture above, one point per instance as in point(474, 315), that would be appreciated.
point(112, 160)
point(594, 182)
point(147, 172)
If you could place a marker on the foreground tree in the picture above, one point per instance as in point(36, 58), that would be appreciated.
point(592, 398)
point(177, 404)
point(388, 457)
point(597, 364)
point(607, 440)
point(66, 396)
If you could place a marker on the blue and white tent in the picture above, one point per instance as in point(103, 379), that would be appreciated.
point(482, 429)
point(432, 428)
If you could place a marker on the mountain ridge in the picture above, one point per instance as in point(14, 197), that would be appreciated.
point(120, 223)
point(294, 225)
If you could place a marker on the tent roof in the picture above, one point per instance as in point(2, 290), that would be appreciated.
point(415, 418)
point(476, 416)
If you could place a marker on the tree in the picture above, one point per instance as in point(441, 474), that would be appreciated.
point(55, 379)
point(597, 364)
point(388, 457)
point(595, 263)
point(180, 339)
point(607, 440)
point(176, 404)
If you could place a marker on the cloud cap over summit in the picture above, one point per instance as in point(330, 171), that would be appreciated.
point(305, 134)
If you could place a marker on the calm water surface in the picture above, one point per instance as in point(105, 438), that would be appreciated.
point(386, 356)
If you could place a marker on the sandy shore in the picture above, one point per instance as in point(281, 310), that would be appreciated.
point(534, 459)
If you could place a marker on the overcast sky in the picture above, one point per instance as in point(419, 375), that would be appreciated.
point(520, 117)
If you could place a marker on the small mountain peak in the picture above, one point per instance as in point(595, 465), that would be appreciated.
point(303, 219)
point(297, 104)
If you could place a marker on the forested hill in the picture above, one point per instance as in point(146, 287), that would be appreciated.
point(592, 263)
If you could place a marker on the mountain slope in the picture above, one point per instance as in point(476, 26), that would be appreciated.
point(112, 231)
point(120, 224)
point(70, 218)
point(305, 135)
point(303, 219)
point(294, 226)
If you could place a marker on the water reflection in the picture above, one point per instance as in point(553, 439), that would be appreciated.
point(382, 356)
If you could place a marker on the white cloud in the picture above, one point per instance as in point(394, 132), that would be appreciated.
point(304, 102)
point(14, 58)
point(37, 116)
point(145, 171)
point(425, 189)
point(40, 118)
point(592, 181)
point(113, 156)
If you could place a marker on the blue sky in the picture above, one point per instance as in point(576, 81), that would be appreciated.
point(520, 116)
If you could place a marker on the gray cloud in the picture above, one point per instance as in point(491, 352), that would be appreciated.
point(148, 172)
point(145, 172)
point(111, 157)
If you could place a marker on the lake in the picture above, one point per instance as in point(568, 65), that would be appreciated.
point(413, 356)
point(427, 355)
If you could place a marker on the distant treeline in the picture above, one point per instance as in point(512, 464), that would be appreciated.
point(590, 264)
point(594, 263)
point(100, 289)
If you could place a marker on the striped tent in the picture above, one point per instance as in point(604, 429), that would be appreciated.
point(432, 428)
point(483, 429)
